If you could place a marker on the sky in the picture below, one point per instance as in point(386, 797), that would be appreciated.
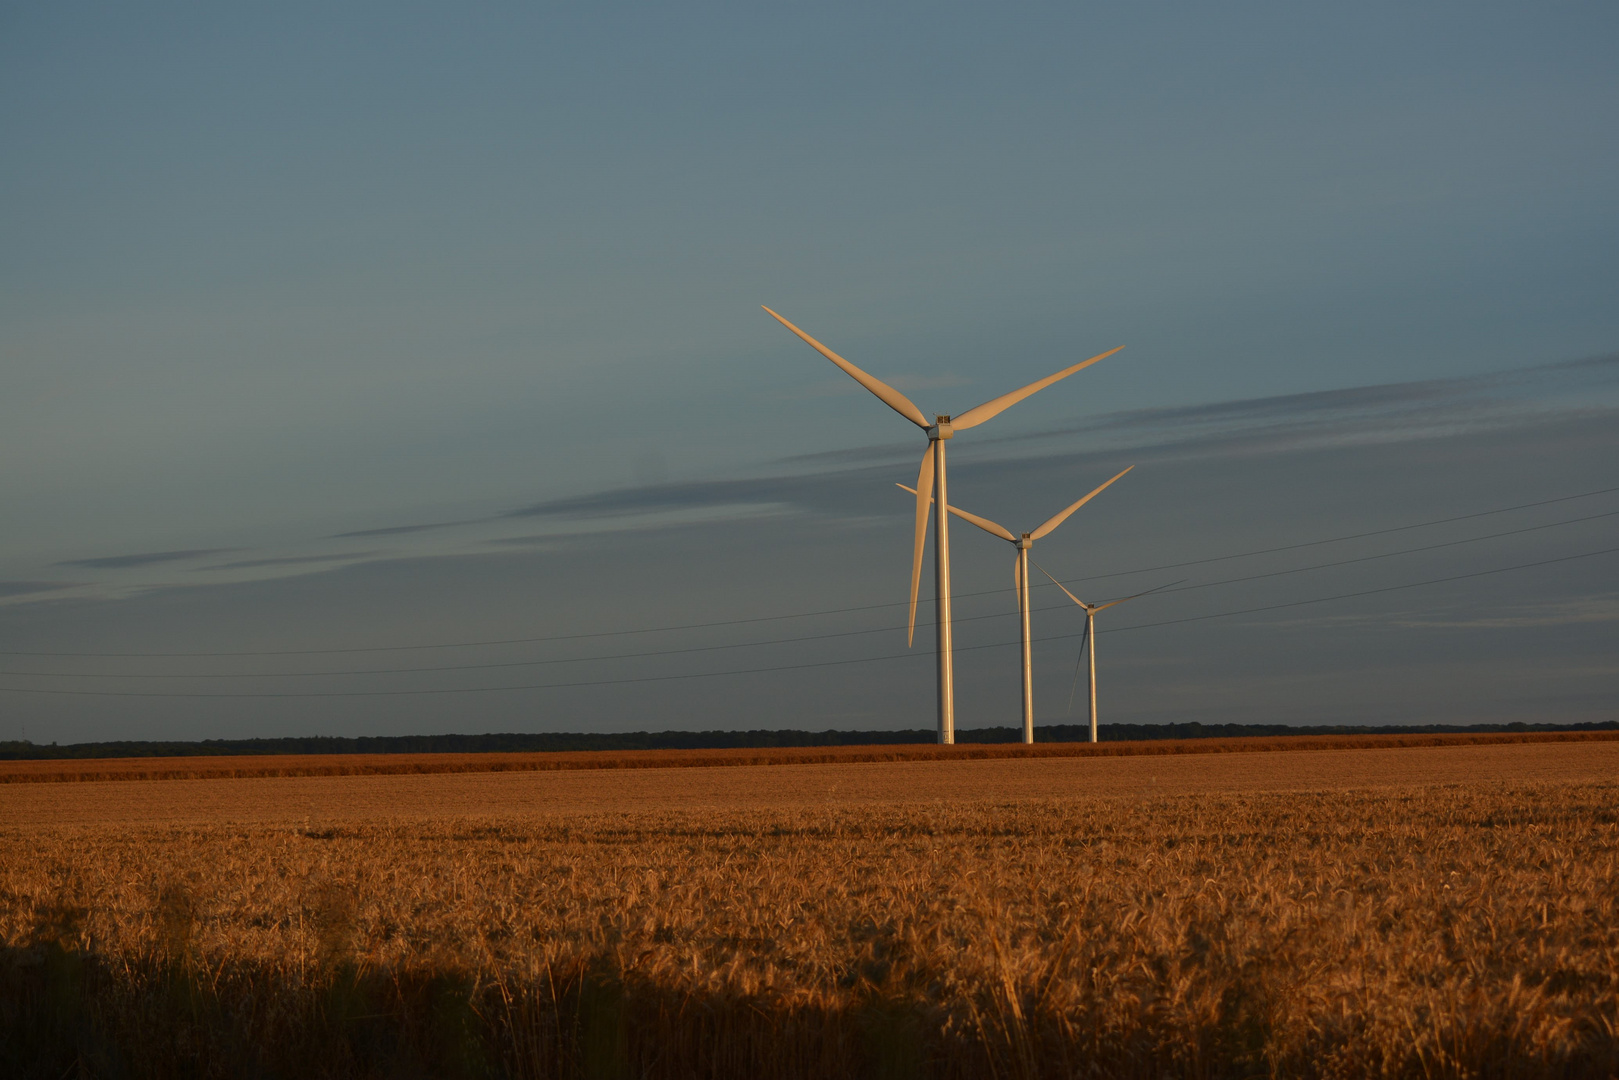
point(408, 359)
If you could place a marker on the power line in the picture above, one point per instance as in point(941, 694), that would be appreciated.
point(1391, 554)
point(811, 614)
point(486, 667)
point(1363, 592)
point(803, 667)
point(769, 641)
point(1359, 536)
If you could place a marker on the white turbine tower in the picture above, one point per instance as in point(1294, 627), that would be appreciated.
point(1020, 573)
point(1089, 637)
point(942, 428)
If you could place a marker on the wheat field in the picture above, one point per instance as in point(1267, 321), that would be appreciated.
point(1410, 924)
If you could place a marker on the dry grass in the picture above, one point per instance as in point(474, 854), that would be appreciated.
point(314, 801)
point(284, 765)
point(1456, 930)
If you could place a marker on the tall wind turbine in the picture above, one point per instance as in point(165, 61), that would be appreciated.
point(1020, 575)
point(938, 432)
point(1089, 637)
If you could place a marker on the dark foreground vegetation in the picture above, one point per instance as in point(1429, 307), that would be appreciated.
point(514, 742)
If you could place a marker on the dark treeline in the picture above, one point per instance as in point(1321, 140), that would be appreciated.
point(511, 742)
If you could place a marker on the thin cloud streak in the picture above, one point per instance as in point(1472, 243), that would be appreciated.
point(1376, 413)
point(291, 560)
point(151, 558)
point(1579, 611)
point(907, 382)
point(1289, 423)
point(1604, 609)
point(852, 484)
point(400, 530)
point(29, 588)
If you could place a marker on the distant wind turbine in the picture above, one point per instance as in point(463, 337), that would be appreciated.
point(942, 429)
point(1089, 636)
point(1020, 575)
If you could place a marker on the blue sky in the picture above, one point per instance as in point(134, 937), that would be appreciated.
point(279, 287)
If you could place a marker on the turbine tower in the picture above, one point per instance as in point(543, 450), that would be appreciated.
point(942, 429)
point(1020, 576)
point(1089, 636)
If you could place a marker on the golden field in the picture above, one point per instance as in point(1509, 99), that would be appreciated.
point(1419, 911)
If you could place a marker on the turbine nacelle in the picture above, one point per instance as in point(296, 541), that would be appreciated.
point(941, 430)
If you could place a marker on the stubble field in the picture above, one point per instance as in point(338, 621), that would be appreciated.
point(1421, 911)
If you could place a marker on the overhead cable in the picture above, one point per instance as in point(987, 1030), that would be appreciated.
point(810, 614)
point(767, 641)
point(802, 667)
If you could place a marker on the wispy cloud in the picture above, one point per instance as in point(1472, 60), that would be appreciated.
point(1606, 360)
point(1594, 609)
point(565, 530)
point(290, 560)
point(844, 484)
point(1365, 415)
point(868, 454)
point(149, 558)
point(400, 530)
point(535, 542)
point(640, 500)
point(909, 382)
point(1601, 608)
point(1361, 415)
point(30, 588)
point(1344, 417)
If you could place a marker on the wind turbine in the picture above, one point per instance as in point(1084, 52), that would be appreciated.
point(1089, 636)
point(1020, 575)
point(942, 429)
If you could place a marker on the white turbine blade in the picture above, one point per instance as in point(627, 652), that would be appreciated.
point(983, 523)
point(1077, 663)
point(1061, 586)
point(924, 499)
point(1017, 581)
point(1062, 517)
point(1122, 599)
point(976, 416)
point(887, 394)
